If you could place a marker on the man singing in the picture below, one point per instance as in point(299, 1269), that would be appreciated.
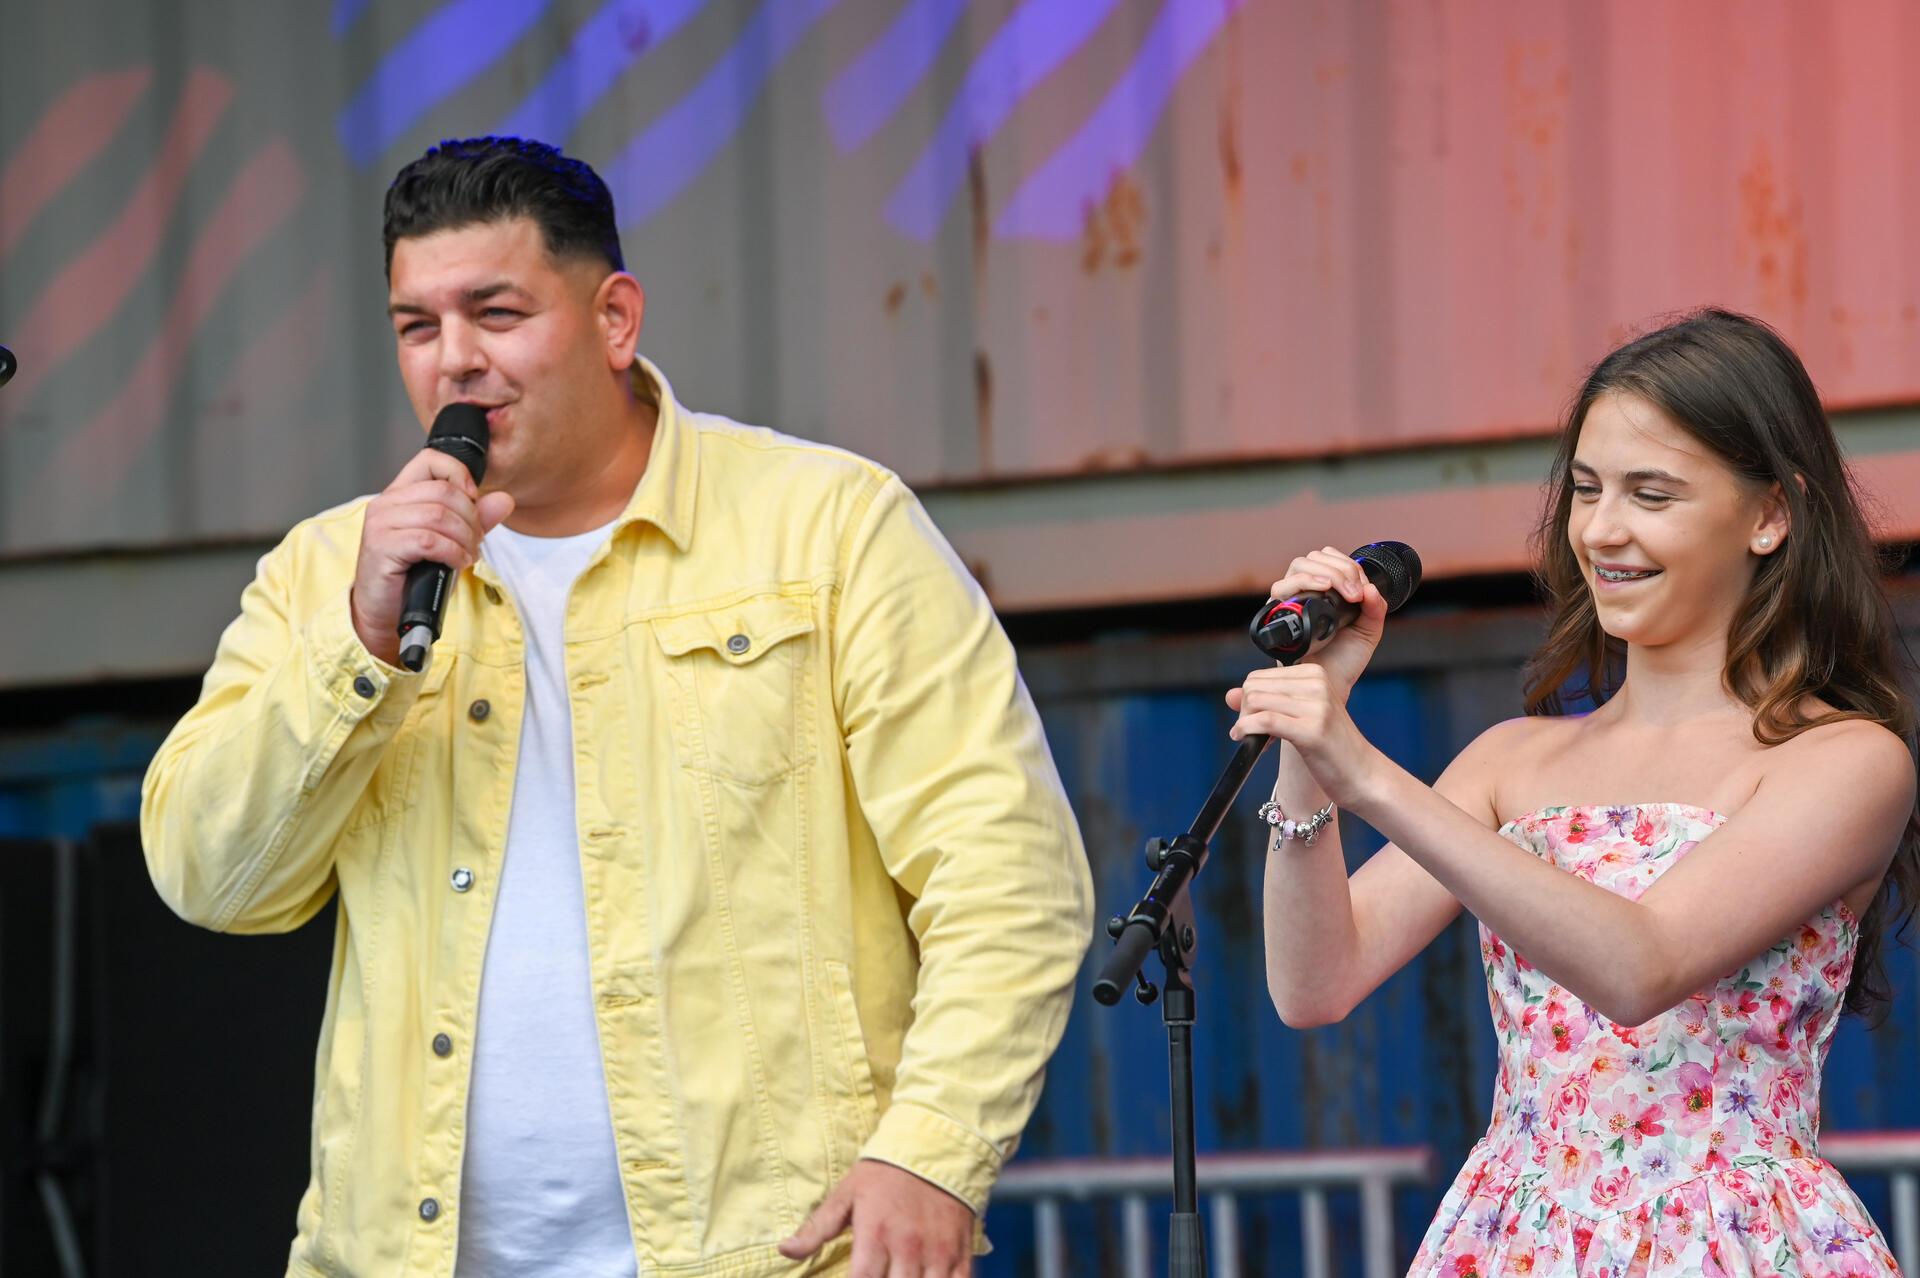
point(709, 904)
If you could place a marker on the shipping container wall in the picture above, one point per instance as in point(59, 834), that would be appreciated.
point(978, 240)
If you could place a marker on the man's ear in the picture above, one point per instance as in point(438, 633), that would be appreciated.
point(619, 308)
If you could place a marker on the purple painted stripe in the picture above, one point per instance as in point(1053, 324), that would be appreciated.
point(864, 96)
point(1053, 202)
point(461, 39)
point(1023, 52)
point(676, 148)
point(620, 34)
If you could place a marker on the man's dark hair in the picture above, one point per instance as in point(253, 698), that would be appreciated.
point(465, 181)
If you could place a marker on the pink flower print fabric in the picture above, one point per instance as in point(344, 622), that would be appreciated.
point(1683, 1146)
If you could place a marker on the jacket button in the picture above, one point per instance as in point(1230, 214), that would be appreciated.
point(739, 644)
point(493, 594)
point(479, 710)
point(429, 1209)
point(462, 879)
point(442, 1045)
point(364, 686)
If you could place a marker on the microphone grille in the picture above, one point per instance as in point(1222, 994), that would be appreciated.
point(1392, 566)
point(460, 431)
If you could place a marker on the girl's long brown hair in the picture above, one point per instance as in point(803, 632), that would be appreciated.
point(1814, 624)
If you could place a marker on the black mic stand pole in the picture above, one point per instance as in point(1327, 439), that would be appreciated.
point(1286, 630)
point(1163, 921)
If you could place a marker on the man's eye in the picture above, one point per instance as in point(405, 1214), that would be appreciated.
point(499, 312)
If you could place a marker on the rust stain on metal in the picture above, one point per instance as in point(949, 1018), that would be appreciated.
point(977, 208)
point(983, 407)
point(1130, 457)
point(1537, 90)
point(896, 296)
point(1127, 215)
point(1093, 242)
point(1114, 227)
point(634, 28)
point(1773, 232)
point(1231, 169)
point(1237, 1110)
point(1236, 904)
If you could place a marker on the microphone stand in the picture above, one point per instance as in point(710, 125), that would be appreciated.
point(1163, 922)
point(1286, 630)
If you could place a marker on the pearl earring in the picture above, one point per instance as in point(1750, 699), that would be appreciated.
point(1766, 542)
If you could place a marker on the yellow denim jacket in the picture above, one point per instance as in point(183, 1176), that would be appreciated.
point(836, 899)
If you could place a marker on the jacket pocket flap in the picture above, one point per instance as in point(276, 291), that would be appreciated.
point(738, 632)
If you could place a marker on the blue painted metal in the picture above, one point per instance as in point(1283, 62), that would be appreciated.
point(1414, 1064)
point(61, 785)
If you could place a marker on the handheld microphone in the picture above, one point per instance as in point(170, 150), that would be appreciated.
point(1286, 630)
point(8, 366)
point(1289, 629)
point(460, 431)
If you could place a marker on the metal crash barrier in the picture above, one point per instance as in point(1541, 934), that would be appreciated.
point(1374, 1173)
point(1222, 1179)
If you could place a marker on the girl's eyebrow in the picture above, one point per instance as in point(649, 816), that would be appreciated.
point(1644, 475)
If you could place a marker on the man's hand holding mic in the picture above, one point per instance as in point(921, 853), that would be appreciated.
point(432, 512)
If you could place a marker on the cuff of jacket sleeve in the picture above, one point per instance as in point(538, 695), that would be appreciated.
point(365, 686)
point(937, 1149)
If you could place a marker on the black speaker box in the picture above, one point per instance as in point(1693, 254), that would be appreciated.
point(156, 1079)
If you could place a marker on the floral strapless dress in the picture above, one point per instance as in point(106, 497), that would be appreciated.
point(1682, 1146)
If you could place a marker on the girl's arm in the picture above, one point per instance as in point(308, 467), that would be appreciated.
point(1331, 939)
point(1825, 819)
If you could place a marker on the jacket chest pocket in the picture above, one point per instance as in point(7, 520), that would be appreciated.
point(739, 680)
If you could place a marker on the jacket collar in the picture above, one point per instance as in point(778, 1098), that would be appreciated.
point(664, 496)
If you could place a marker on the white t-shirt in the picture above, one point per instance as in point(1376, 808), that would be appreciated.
point(541, 1192)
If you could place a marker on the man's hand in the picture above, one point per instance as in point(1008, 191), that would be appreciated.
point(903, 1226)
point(431, 512)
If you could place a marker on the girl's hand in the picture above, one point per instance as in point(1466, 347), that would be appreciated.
point(1300, 705)
point(1345, 655)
